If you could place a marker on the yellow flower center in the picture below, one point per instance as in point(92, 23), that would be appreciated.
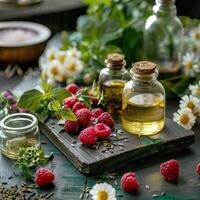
point(72, 67)
point(198, 91)
point(197, 35)
point(102, 195)
point(184, 119)
point(51, 56)
point(189, 65)
point(62, 58)
point(54, 70)
point(190, 105)
point(195, 48)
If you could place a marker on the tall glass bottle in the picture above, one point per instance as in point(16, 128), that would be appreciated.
point(163, 37)
point(112, 79)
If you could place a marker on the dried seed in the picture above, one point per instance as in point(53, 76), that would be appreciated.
point(155, 195)
point(73, 145)
point(115, 182)
point(147, 187)
point(162, 193)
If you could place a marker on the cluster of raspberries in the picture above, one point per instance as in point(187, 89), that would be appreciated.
point(93, 124)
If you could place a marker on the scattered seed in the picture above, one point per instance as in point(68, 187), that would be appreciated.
point(147, 187)
point(43, 142)
point(115, 182)
point(10, 177)
point(163, 193)
point(73, 145)
point(119, 195)
point(74, 141)
point(155, 195)
point(4, 183)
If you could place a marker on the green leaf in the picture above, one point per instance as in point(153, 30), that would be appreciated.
point(31, 100)
point(46, 86)
point(54, 106)
point(67, 114)
point(60, 94)
point(25, 171)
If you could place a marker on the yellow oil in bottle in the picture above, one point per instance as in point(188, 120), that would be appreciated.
point(144, 114)
point(112, 91)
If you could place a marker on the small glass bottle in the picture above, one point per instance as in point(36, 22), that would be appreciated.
point(163, 37)
point(19, 130)
point(112, 80)
point(143, 101)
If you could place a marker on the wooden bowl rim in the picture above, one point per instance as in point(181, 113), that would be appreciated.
point(43, 35)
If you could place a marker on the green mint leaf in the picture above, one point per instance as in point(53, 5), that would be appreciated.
point(46, 86)
point(67, 114)
point(31, 100)
point(60, 94)
point(25, 171)
point(54, 106)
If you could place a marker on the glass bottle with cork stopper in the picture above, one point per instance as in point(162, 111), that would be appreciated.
point(112, 80)
point(143, 101)
point(163, 36)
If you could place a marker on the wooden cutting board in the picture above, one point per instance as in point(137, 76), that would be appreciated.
point(123, 147)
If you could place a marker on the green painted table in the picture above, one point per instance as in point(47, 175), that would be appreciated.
point(69, 181)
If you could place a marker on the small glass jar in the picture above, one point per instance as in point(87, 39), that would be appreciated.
point(112, 80)
point(143, 101)
point(19, 130)
point(163, 36)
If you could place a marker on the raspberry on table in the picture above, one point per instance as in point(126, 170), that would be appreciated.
point(78, 106)
point(83, 115)
point(72, 88)
point(107, 119)
point(170, 170)
point(198, 168)
point(96, 112)
point(70, 101)
point(102, 131)
point(71, 126)
point(88, 136)
point(129, 182)
point(44, 176)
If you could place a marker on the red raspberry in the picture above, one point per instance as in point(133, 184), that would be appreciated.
point(44, 176)
point(129, 182)
point(170, 170)
point(72, 88)
point(83, 116)
point(70, 101)
point(106, 119)
point(78, 106)
point(71, 126)
point(96, 112)
point(66, 106)
point(198, 168)
point(102, 131)
point(88, 136)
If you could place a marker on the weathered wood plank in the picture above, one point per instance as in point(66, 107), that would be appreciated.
point(89, 160)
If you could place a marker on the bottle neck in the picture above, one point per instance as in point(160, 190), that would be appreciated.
point(145, 78)
point(165, 8)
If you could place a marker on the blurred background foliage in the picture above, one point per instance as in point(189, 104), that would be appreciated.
point(116, 26)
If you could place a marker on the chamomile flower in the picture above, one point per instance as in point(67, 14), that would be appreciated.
point(185, 118)
point(56, 71)
point(73, 66)
point(191, 102)
point(61, 56)
point(103, 191)
point(195, 90)
point(190, 64)
point(51, 54)
point(195, 33)
point(73, 52)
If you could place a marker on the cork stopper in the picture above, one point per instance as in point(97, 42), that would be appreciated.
point(165, 2)
point(115, 61)
point(143, 68)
